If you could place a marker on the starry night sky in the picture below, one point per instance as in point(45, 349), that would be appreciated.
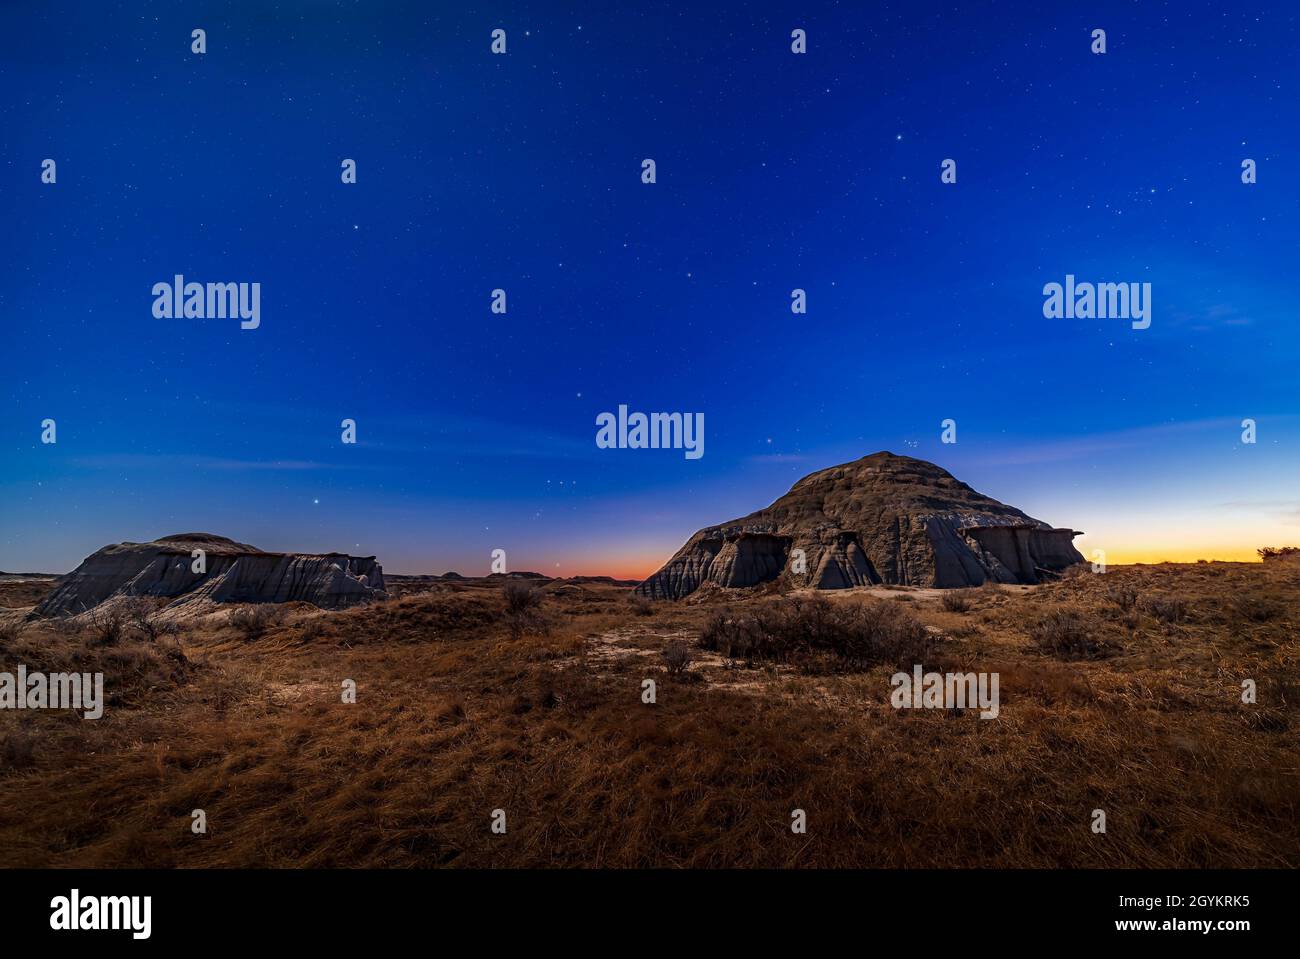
point(775, 171)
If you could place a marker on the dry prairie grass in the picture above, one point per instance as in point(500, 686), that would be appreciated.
point(456, 717)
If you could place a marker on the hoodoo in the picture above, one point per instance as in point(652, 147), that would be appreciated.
point(881, 519)
point(194, 568)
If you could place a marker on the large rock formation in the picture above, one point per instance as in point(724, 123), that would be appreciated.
point(881, 519)
point(232, 573)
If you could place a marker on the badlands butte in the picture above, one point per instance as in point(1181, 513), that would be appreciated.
point(323, 712)
point(882, 519)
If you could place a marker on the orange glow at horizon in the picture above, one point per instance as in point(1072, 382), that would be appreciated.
point(1150, 556)
point(621, 567)
point(1212, 539)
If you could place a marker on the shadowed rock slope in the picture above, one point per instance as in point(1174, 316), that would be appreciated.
point(881, 519)
point(231, 573)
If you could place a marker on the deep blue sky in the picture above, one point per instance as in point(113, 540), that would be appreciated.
point(522, 171)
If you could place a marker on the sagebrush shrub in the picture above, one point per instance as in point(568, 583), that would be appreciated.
point(520, 596)
point(523, 613)
point(1257, 609)
point(255, 619)
point(106, 624)
point(1124, 597)
point(789, 630)
point(1167, 609)
point(957, 600)
point(1065, 632)
point(142, 613)
point(677, 657)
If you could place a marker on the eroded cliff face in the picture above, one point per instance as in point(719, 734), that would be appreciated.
point(881, 519)
point(231, 573)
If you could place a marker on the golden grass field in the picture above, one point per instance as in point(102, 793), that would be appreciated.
point(462, 709)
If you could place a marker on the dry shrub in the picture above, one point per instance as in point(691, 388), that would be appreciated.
point(312, 630)
point(132, 671)
point(1066, 632)
point(523, 609)
point(1257, 609)
point(1124, 597)
point(225, 689)
point(521, 597)
point(1167, 609)
point(1277, 552)
point(254, 619)
point(642, 606)
point(142, 613)
point(857, 635)
point(958, 600)
point(105, 623)
point(677, 657)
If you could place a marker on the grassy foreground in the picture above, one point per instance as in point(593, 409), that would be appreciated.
point(1120, 692)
